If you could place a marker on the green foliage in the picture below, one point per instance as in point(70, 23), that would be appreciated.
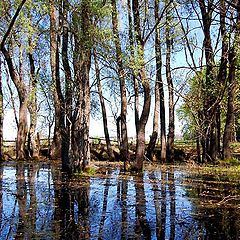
point(89, 171)
point(192, 106)
point(230, 162)
point(100, 11)
point(96, 140)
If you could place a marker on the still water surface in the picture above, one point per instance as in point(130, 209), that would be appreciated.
point(37, 202)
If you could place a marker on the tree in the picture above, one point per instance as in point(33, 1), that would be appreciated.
point(1, 112)
point(159, 107)
point(121, 74)
point(57, 95)
point(141, 75)
point(171, 128)
point(21, 88)
point(232, 84)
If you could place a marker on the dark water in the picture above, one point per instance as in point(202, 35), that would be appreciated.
point(37, 202)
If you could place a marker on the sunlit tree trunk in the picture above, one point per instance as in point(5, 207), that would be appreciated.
point(1, 112)
point(222, 73)
point(209, 140)
point(171, 126)
point(134, 78)
point(121, 75)
point(81, 115)
point(230, 118)
point(32, 106)
point(159, 108)
point(68, 106)
point(21, 89)
point(22, 94)
point(54, 61)
point(142, 121)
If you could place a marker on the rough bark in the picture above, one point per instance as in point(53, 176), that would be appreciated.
point(22, 94)
point(171, 126)
point(81, 116)
point(232, 83)
point(1, 112)
point(134, 79)
point(159, 95)
point(21, 89)
point(141, 123)
point(154, 136)
point(121, 75)
point(55, 151)
point(222, 73)
point(209, 141)
point(32, 107)
point(103, 107)
point(68, 106)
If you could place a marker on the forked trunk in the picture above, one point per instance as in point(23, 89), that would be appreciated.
point(21, 88)
point(22, 94)
point(142, 121)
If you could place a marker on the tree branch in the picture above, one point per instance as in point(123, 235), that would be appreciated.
point(12, 23)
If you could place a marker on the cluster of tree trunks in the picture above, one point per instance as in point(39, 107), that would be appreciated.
point(226, 76)
point(72, 49)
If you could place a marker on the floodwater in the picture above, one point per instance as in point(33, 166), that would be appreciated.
point(37, 202)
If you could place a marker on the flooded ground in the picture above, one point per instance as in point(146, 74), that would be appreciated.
point(37, 202)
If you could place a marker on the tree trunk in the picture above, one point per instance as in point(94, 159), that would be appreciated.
point(142, 121)
point(210, 130)
point(158, 53)
point(134, 78)
point(54, 61)
point(154, 136)
point(81, 116)
point(121, 75)
point(230, 120)
point(35, 148)
point(171, 127)
point(222, 73)
point(159, 95)
point(22, 94)
point(103, 107)
point(1, 114)
point(21, 135)
point(67, 109)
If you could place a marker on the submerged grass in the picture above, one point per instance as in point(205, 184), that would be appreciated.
point(227, 171)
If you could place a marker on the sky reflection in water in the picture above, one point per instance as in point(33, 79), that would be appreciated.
point(39, 204)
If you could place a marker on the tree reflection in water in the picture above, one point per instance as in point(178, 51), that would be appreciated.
point(38, 202)
point(74, 205)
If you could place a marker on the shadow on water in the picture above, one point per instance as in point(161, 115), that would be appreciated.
point(38, 202)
